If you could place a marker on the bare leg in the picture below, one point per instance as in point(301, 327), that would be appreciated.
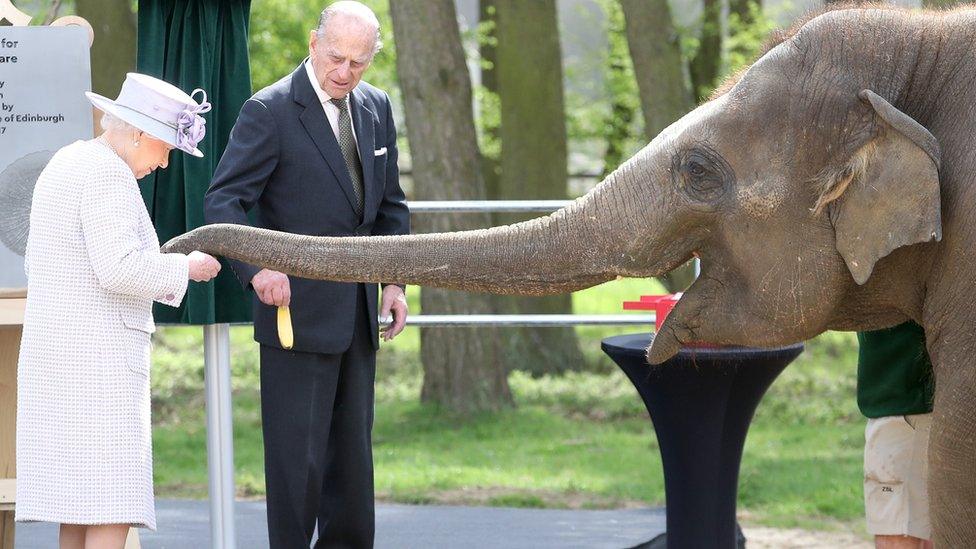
point(106, 536)
point(72, 536)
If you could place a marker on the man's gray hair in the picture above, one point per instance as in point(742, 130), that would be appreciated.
point(354, 9)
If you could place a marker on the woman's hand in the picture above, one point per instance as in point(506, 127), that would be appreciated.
point(203, 267)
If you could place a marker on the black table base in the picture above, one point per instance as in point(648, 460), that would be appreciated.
point(701, 403)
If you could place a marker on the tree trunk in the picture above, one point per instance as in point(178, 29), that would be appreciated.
point(462, 367)
point(663, 83)
point(660, 71)
point(742, 23)
point(708, 59)
point(528, 73)
point(114, 51)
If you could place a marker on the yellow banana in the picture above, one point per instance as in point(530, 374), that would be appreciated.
point(285, 334)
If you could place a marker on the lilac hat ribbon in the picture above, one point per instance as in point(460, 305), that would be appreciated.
point(190, 126)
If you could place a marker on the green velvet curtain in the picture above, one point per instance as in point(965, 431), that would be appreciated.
point(196, 44)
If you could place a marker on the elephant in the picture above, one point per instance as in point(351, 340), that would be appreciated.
point(828, 186)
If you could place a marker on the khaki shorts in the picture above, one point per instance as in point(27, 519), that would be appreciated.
point(896, 499)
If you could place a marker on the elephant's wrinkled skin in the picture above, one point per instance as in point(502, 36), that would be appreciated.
point(830, 187)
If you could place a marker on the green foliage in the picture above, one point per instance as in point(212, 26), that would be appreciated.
point(746, 36)
point(43, 11)
point(488, 116)
point(488, 120)
point(743, 42)
point(705, 65)
point(278, 40)
point(484, 35)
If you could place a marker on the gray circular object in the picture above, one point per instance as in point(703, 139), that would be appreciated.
point(16, 190)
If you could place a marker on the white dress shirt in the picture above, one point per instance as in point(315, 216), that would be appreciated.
point(331, 111)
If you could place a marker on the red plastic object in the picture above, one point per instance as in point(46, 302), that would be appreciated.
point(660, 304)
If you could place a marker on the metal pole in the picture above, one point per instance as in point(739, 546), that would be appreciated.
point(459, 206)
point(220, 434)
point(442, 321)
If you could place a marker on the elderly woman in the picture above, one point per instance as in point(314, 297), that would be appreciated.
point(84, 451)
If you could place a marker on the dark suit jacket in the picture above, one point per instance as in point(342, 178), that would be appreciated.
point(283, 157)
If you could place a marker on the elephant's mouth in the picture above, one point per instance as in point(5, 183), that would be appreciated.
point(699, 317)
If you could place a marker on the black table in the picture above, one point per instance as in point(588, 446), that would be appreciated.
point(701, 403)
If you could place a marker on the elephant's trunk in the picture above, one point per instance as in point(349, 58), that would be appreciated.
point(571, 249)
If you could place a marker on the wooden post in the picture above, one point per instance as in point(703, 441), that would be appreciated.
point(11, 321)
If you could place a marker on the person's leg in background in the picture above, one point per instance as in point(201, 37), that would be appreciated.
point(895, 486)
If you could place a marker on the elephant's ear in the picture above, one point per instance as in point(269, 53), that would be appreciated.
point(887, 196)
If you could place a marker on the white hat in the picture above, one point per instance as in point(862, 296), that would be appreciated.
point(160, 109)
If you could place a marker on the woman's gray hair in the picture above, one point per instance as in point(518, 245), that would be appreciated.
point(354, 9)
point(114, 123)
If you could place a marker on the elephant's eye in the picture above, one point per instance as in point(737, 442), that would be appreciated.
point(696, 170)
point(702, 173)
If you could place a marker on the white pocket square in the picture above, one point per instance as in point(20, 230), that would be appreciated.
point(379, 152)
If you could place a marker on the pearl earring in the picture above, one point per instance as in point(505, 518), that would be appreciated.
point(136, 144)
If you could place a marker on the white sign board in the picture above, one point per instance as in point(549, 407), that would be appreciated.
point(44, 72)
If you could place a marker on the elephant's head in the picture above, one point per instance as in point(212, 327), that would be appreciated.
point(790, 186)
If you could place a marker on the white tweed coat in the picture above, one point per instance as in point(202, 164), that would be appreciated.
point(84, 451)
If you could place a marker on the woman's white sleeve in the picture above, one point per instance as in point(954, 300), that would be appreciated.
point(110, 211)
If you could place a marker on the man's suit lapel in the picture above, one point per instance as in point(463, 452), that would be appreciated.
point(362, 120)
point(317, 125)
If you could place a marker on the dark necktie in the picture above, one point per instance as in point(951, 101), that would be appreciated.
point(347, 144)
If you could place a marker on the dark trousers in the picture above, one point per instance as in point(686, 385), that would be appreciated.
point(317, 413)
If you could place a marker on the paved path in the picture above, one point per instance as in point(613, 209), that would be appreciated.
point(184, 524)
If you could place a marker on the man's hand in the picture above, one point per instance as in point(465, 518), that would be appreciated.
point(393, 301)
point(272, 287)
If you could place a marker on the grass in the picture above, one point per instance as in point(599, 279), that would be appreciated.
point(581, 440)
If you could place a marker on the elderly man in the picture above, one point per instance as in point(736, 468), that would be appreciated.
point(316, 153)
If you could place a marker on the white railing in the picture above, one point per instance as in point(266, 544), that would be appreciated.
point(535, 321)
